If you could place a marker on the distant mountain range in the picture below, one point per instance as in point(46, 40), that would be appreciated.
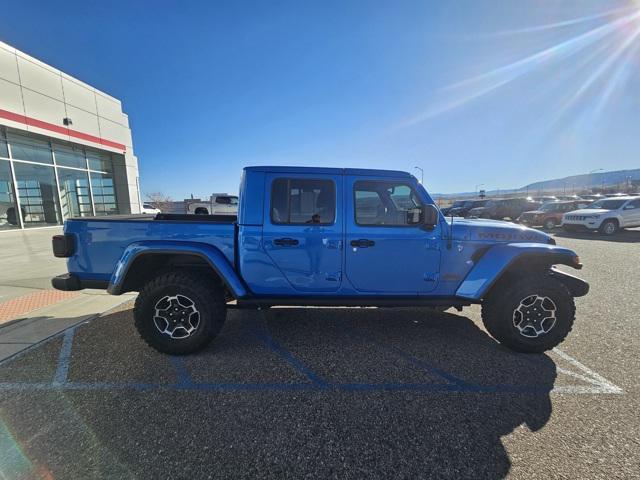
point(573, 183)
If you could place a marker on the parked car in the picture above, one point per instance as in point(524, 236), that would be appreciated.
point(149, 209)
point(463, 209)
point(218, 204)
point(615, 195)
point(550, 214)
point(456, 204)
point(500, 209)
point(606, 216)
point(593, 197)
point(323, 236)
point(568, 197)
point(544, 199)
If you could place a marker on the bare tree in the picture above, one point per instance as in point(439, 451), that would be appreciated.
point(160, 200)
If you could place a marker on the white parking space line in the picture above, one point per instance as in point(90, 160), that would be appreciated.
point(600, 384)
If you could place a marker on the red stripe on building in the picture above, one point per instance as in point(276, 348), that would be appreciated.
point(34, 122)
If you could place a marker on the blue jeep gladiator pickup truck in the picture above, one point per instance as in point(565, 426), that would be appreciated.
point(323, 236)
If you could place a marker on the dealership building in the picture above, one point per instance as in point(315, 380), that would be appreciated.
point(65, 147)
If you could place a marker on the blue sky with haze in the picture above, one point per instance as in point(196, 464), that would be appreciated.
point(494, 93)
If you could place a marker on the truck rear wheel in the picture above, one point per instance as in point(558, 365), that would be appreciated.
point(530, 315)
point(179, 313)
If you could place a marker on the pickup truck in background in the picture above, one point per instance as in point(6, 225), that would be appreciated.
point(502, 208)
point(462, 208)
point(218, 204)
point(323, 236)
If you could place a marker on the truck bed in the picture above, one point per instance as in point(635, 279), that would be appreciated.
point(101, 241)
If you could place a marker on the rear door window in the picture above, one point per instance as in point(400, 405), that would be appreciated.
point(296, 201)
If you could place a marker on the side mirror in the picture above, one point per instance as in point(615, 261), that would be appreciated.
point(430, 216)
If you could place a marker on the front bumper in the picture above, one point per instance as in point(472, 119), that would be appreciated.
point(588, 223)
point(578, 227)
point(69, 282)
point(575, 285)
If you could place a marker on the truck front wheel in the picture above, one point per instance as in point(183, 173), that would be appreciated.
point(179, 313)
point(530, 315)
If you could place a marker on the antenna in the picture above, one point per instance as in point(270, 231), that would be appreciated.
point(450, 238)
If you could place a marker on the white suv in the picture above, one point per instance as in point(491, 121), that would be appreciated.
point(607, 215)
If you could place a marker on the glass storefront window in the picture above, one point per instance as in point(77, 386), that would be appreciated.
point(49, 192)
point(9, 217)
point(38, 194)
point(29, 148)
point(4, 152)
point(74, 193)
point(100, 161)
point(69, 156)
point(104, 194)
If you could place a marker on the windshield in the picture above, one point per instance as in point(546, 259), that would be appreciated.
point(607, 204)
point(227, 200)
point(549, 207)
point(459, 203)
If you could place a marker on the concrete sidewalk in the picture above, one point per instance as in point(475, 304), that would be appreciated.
point(47, 321)
point(30, 310)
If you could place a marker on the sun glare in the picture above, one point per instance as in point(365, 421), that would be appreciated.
point(607, 53)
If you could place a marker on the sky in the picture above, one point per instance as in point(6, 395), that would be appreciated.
point(491, 93)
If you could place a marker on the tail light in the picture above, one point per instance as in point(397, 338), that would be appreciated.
point(63, 245)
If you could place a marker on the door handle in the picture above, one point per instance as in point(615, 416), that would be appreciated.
point(285, 242)
point(362, 243)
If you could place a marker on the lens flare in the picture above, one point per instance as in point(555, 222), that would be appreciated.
point(608, 49)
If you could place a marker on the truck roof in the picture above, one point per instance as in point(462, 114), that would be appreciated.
point(331, 171)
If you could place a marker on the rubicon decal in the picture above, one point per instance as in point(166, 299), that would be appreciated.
point(505, 236)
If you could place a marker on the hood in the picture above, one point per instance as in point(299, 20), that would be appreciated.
point(532, 213)
point(482, 230)
point(588, 211)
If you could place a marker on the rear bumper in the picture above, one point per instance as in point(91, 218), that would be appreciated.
point(70, 282)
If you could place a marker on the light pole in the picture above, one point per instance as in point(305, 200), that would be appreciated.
point(421, 175)
point(594, 171)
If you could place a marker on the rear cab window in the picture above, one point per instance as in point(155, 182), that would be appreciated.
point(297, 201)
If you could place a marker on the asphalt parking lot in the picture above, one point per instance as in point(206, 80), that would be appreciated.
point(338, 393)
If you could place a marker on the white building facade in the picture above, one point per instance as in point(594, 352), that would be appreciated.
point(65, 148)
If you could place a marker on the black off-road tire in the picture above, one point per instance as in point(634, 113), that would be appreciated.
point(499, 308)
point(609, 227)
point(206, 297)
